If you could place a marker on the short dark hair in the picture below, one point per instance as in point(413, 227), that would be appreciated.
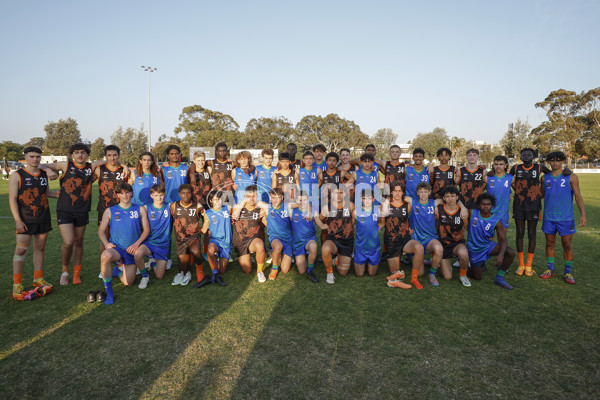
point(319, 146)
point(267, 152)
point(370, 145)
point(528, 149)
point(276, 192)
point(423, 185)
point(221, 144)
point(450, 189)
point(444, 149)
point(334, 155)
point(158, 188)
point(308, 153)
point(345, 149)
point(284, 156)
point(112, 147)
point(394, 146)
point(123, 187)
point(172, 147)
point(485, 196)
point(366, 157)
point(473, 150)
point(32, 149)
point(556, 155)
point(214, 193)
point(185, 186)
point(419, 150)
point(79, 146)
point(251, 188)
point(396, 184)
point(292, 144)
point(501, 158)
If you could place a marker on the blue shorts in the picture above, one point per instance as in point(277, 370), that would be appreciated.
point(159, 252)
point(504, 220)
point(300, 248)
point(372, 257)
point(482, 256)
point(425, 242)
point(126, 258)
point(564, 228)
point(224, 251)
point(287, 247)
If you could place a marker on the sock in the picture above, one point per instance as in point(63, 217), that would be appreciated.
point(259, 268)
point(463, 271)
point(310, 267)
point(116, 272)
point(432, 271)
point(199, 272)
point(37, 274)
point(205, 248)
point(550, 261)
point(329, 269)
point(568, 265)
point(521, 259)
point(501, 273)
point(18, 278)
point(414, 278)
point(109, 290)
point(275, 267)
point(76, 275)
point(529, 260)
point(214, 273)
point(144, 273)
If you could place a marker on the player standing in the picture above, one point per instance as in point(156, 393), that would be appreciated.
point(147, 174)
point(264, 175)
point(472, 179)
point(443, 175)
point(319, 151)
point(499, 184)
point(416, 174)
point(244, 175)
point(175, 174)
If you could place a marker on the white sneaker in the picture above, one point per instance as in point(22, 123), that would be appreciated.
point(186, 279)
point(169, 263)
point(465, 281)
point(137, 271)
point(330, 278)
point(269, 261)
point(178, 279)
point(148, 265)
point(456, 264)
point(100, 275)
point(261, 277)
point(144, 282)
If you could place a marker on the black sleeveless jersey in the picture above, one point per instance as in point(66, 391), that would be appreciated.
point(441, 180)
point(247, 227)
point(186, 222)
point(32, 197)
point(107, 183)
point(340, 226)
point(471, 185)
point(397, 227)
point(450, 226)
point(528, 196)
point(76, 189)
point(395, 173)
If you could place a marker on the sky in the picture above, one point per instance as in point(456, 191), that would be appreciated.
point(470, 67)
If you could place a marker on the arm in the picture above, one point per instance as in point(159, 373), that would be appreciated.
point(456, 176)
point(145, 231)
point(468, 220)
point(102, 230)
point(205, 226)
point(320, 176)
point(274, 180)
point(237, 209)
point(578, 199)
point(381, 224)
point(235, 186)
point(13, 193)
point(52, 169)
point(320, 224)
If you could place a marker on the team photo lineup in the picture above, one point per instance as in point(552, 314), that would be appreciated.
point(432, 218)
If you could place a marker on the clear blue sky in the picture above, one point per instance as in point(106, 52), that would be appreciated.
point(470, 67)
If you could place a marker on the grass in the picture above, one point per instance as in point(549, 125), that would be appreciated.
point(294, 339)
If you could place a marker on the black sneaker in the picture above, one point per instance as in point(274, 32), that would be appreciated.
point(219, 279)
point(91, 296)
point(101, 296)
point(205, 281)
point(313, 278)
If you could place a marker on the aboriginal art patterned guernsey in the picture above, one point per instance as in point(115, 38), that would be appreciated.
point(450, 226)
point(160, 225)
point(32, 197)
point(413, 178)
point(125, 225)
point(442, 178)
point(141, 188)
point(350, 170)
point(397, 228)
point(481, 232)
point(295, 165)
point(247, 227)
point(528, 196)
point(202, 187)
point(186, 222)
point(107, 183)
point(395, 173)
point(340, 226)
point(471, 185)
point(558, 203)
point(221, 175)
point(75, 189)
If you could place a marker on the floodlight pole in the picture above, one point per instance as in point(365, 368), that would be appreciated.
point(149, 69)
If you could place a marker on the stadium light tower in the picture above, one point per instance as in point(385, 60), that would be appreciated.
point(149, 69)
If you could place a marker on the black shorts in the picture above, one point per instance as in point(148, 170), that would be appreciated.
point(395, 248)
point(526, 215)
point(75, 218)
point(243, 247)
point(38, 228)
point(345, 247)
point(183, 248)
point(448, 249)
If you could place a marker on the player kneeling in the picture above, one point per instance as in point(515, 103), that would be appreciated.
point(158, 244)
point(304, 236)
point(367, 248)
point(128, 230)
point(482, 224)
point(217, 221)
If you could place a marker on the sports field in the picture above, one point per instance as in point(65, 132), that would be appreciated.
point(291, 338)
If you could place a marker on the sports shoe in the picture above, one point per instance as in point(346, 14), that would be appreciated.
point(529, 271)
point(433, 280)
point(64, 278)
point(101, 296)
point(313, 278)
point(500, 281)
point(169, 264)
point(465, 281)
point(150, 264)
point(396, 275)
point(548, 274)
point(269, 260)
point(219, 280)
point(41, 282)
point(178, 279)
point(456, 264)
point(520, 270)
point(207, 280)
point(569, 279)
point(398, 284)
point(261, 277)
point(18, 290)
point(91, 296)
point(330, 278)
point(187, 278)
point(100, 276)
point(273, 274)
point(417, 284)
point(144, 282)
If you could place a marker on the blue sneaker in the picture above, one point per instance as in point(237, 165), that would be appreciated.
point(116, 272)
point(433, 280)
point(500, 281)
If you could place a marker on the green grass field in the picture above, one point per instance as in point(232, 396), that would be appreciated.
point(290, 338)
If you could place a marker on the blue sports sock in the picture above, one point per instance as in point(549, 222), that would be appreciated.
point(109, 290)
point(500, 281)
point(550, 262)
point(275, 267)
point(214, 273)
point(144, 273)
point(310, 267)
point(501, 273)
point(568, 265)
point(432, 271)
point(116, 272)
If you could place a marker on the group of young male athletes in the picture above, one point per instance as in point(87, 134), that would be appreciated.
point(216, 205)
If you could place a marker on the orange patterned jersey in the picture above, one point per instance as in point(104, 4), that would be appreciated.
point(31, 197)
point(107, 183)
point(471, 185)
point(186, 222)
point(528, 196)
point(397, 227)
point(76, 189)
point(442, 178)
point(450, 226)
point(339, 227)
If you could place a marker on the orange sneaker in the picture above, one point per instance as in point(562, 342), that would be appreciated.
point(398, 284)
point(529, 271)
point(273, 274)
point(520, 270)
point(76, 279)
point(396, 275)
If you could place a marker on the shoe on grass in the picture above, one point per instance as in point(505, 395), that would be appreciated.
point(41, 282)
point(569, 279)
point(547, 274)
point(529, 271)
point(219, 280)
point(18, 290)
point(64, 279)
point(144, 282)
point(187, 278)
point(313, 278)
point(273, 274)
point(396, 275)
point(398, 284)
point(500, 281)
point(433, 280)
point(520, 270)
point(261, 277)
point(465, 281)
point(207, 280)
point(178, 279)
point(330, 278)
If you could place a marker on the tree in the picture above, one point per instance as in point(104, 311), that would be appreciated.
point(430, 142)
point(274, 133)
point(97, 150)
point(384, 138)
point(332, 131)
point(516, 138)
point(35, 142)
point(204, 127)
point(132, 143)
point(488, 154)
point(160, 147)
point(11, 151)
point(589, 105)
point(60, 136)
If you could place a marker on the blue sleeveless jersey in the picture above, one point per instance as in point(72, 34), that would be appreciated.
point(174, 177)
point(322, 166)
point(303, 231)
point(141, 189)
point(422, 220)
point(481, 232)
point(279, 224)
point(125, 225)
point(243, 180)
point(264, 181)
point(500, 189)
point(367, 230)
point(160, 225)
point(309, 180)
point(558, 198)
point(363, 182)
point(413, 178)
point(220, 226)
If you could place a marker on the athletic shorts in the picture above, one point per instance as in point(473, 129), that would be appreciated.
point(482, 256)
point(564, 228)
point(75, 218)
point(449, 249)
point(371, 257)
point(126, 258)
point(183, 248)
point(394, 249)
point(287, 247)
point(243, 248)
point(425, 242)
point(159, 252)
point(526, 215)
point(345, 247)
point(300, 248)
point(34, 228)
point(224, 250)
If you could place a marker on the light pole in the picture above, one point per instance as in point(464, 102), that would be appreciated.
point(149, 69)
